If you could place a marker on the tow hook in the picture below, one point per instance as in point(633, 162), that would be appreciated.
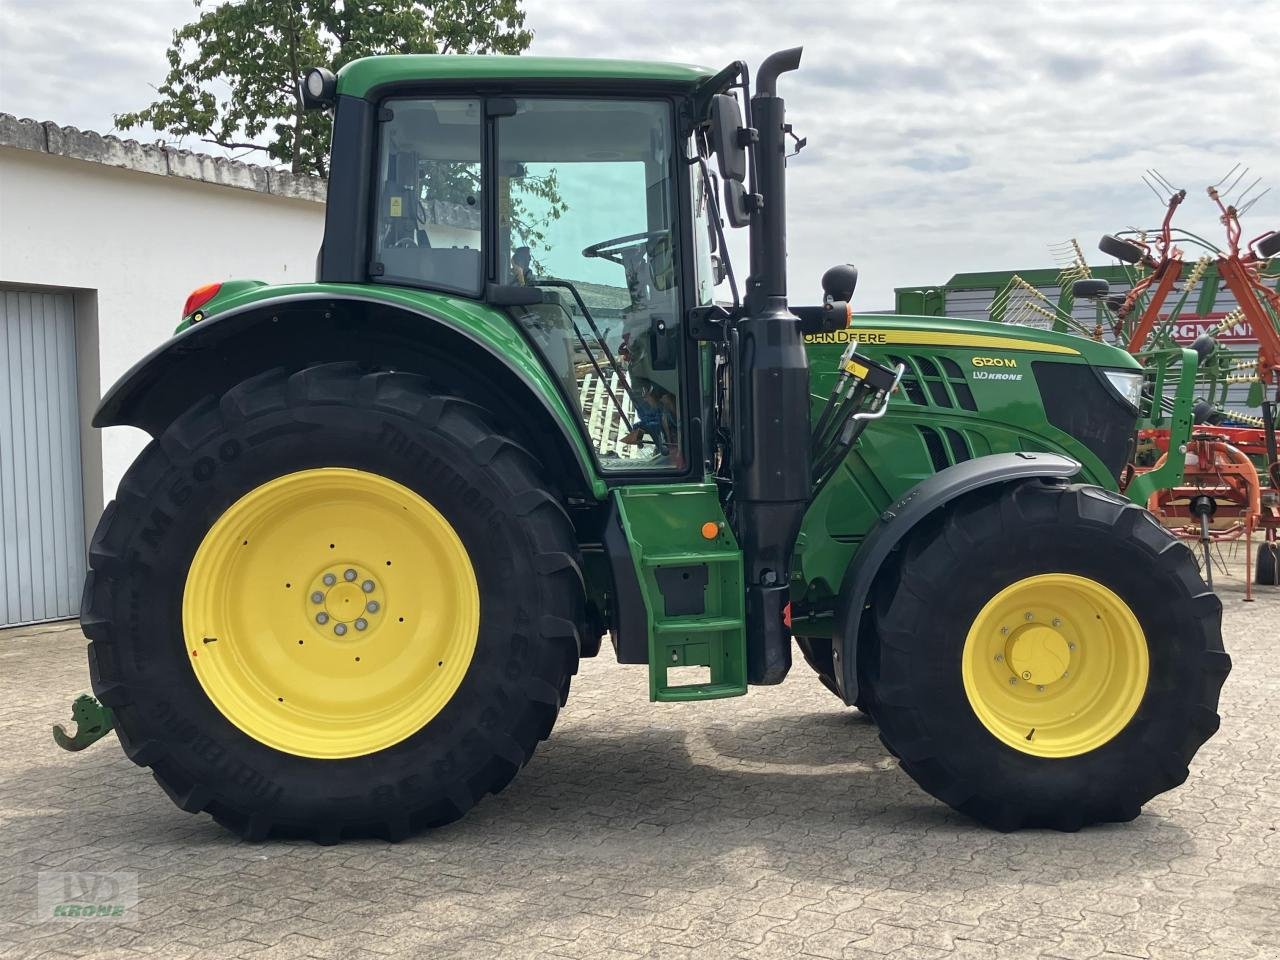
point(93, 722)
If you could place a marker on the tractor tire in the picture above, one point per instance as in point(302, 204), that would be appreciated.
point(1267, 567)
point(1067, 677)
point(817, 654)
point(266, 659)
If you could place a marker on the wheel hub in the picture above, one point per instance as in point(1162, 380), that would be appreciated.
point(345, 595)
point(1039, 654)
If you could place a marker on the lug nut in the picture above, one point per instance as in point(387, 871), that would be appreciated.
point(1004, 631)
point(1029, 615)
point(367, 586)
point(1057, 621)
point(349, 574)
point(322, 618)
point(1040, 688)
point(999, 657)
point(340, 629)
point(1064, 674)
point(372, 606)
point(1013, 681)
point(330, 579)
point(1071, 646)
point(361, 623)
point(317, 597)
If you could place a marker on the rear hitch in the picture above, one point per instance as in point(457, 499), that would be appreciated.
point(93, 722)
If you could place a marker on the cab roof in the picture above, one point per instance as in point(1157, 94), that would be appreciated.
point(357, 78)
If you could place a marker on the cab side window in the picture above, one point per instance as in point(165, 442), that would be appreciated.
point(428, 225)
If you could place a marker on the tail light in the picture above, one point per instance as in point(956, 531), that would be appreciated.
point(199, 297)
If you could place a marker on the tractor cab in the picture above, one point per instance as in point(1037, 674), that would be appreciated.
point(577, 223)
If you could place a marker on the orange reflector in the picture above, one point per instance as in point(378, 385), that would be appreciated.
point(199, 297)
point(710, 530)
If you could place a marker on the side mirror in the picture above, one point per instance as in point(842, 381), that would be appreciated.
point(840, 281)
point(726, 137)
point(1090, 289)
point(736, 209)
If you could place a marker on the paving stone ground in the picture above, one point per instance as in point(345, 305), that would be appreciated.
point(769, 826)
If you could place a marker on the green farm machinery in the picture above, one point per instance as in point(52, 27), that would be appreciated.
point(383, 515)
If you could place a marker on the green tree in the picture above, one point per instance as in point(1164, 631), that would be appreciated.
point(233, 72)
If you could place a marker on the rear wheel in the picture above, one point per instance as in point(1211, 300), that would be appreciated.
point(333, 604)
point(1068, 677)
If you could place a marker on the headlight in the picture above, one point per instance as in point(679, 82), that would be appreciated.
point(1127, 384)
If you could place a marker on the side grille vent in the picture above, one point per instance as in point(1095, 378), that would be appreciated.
point(944, 453)
point(935, 382)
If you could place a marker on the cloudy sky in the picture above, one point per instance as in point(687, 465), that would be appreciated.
point(944, 135)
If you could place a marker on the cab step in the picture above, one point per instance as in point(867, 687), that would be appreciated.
point(692, 587)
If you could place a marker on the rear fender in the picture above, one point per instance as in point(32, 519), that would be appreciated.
point(464, 348)
point(899, 519)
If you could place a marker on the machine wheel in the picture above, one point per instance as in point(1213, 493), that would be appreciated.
point(1067, 677)
point(1122, 250)
point(817, 654)
point(1267, 568)
point(333, 604)
point(1090, 289)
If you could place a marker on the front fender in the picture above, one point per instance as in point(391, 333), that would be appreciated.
point(899, 519)
point(467, 347)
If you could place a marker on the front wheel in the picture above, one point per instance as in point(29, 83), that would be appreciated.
point(1067, 677)
point(333, 604)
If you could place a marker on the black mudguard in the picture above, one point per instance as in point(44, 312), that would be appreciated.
point(899, 519)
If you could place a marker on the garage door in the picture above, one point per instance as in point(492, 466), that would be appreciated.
point(41, 509)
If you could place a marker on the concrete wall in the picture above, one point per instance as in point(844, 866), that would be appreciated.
point(132, 231)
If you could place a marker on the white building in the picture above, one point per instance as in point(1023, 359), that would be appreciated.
point(101, 240)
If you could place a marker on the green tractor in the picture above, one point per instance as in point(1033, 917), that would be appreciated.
point(344, 589)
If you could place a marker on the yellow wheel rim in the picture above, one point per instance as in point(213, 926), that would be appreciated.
point(1055, 665)
point(331, 613)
